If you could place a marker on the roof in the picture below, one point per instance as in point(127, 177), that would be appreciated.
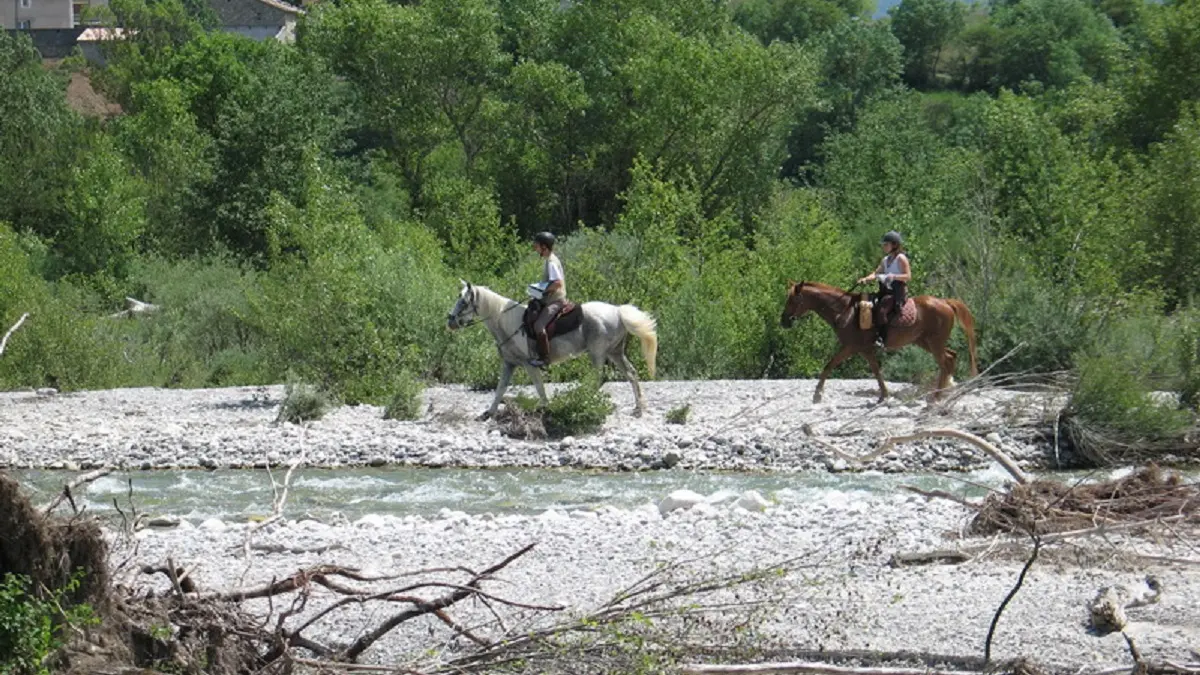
point(279, 4)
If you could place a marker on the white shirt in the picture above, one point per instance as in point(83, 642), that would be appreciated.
point(891, 268)
point(554, 272)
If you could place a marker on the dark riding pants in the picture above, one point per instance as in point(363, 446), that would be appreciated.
point(899, 293)
point(549, 311)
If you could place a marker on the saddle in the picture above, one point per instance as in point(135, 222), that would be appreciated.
point(569, 318)
point(881, 306)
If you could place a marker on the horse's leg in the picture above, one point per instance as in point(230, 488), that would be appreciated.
point(842, 355)
point(874, 361)
point(946, 360)
point(535, 374)
point(621, 361)
point(506, 371)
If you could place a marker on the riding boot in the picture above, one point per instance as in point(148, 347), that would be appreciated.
point(881, 337)
point(543, 348)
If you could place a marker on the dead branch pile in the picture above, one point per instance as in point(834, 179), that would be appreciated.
point(1102, 447)
point(1046, 506)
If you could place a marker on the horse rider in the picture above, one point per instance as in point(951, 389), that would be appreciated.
point(893, 275)
point(554, 295)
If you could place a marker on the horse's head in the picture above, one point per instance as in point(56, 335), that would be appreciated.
point(465, 309)
point(796, 306)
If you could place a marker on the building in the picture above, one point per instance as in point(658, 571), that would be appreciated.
point(256, 19)
point(39, 14)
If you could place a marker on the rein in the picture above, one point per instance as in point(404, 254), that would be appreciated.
point(478, 320)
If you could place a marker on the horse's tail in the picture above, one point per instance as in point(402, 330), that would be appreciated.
point(968, 325)
point(642, 325)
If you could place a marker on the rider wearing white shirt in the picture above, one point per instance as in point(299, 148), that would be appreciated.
point(553, 297)
point(893, 275)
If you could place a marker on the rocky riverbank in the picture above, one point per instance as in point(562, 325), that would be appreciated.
point(755, 425)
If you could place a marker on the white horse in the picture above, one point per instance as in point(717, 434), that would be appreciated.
point(602, 334)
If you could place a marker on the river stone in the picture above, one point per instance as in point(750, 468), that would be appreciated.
point(213, 525)
point(679, 499)
point(670, 459)
point(751, 500)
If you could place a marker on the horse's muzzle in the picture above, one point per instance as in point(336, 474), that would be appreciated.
point(787, 320)
point(452, 322)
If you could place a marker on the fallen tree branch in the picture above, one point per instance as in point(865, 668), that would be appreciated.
point(966, 552)
point(69, 487)
point(361, 644)
point(994, 452)
point(812, 668)
point(4, 342)
point(133, 308)
point(987, 643)
point(941, 494)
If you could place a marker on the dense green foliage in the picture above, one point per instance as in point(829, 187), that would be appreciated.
point(32, 624)
point(307, 208)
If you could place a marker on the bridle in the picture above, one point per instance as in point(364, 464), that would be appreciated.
point(476, 320)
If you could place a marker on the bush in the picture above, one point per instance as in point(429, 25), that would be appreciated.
point(31, 627)
point(1118, 376)
point(679, 415)
point(581, 409)
point(405, 403)
point(303, 402)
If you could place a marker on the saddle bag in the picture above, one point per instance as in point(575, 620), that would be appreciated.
point(864, 311)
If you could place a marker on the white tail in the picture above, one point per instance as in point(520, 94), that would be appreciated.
point(642, 325)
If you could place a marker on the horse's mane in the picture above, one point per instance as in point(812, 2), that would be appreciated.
point(489, 302)
point(826, 288)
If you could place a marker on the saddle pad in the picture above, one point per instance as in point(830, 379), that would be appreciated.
point(908, 313)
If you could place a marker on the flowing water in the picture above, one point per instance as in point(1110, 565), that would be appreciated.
point(237, 494)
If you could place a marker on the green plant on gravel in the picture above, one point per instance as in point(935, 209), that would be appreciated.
point(581, 409)
point(303, 402)
point(32, 627)
point(679, 415)
point(405, 403)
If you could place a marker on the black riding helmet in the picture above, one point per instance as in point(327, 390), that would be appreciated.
point(546, 239)
point(893, 237)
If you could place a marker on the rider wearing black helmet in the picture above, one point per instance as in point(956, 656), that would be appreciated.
point(553, 296)
point(893, 275)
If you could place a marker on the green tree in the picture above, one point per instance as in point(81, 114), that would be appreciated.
point(924, 28)
point(1168, 73)
point(38, 138)
point(793, 20)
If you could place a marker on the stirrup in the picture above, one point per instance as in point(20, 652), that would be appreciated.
point(538, 363)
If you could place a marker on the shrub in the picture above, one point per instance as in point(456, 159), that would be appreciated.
point(1116, 378)
point(679, 415)
point(405, 403)
point(31, 627)
point(303, 402)
point(581, 409)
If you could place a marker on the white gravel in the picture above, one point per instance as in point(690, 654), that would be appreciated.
point(847, 596)
point(733, 425)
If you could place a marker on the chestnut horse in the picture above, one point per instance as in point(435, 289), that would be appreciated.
point(930, 331)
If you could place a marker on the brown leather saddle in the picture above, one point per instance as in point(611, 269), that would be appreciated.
point(905, 317)
point(569, 318)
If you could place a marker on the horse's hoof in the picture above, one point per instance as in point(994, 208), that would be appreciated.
point(817, 398)
point(637, 412)
point(487, 415)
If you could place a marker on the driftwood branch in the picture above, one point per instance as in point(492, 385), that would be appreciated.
point(809, 668)
point(361, 644)
point(134, 308)
point(70, 487)
point(992, 451)
point(4, 342)
point(967, 552)
point(987, 643)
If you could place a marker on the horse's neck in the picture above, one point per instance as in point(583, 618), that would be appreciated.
point(493, 308)
point(829, 303)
